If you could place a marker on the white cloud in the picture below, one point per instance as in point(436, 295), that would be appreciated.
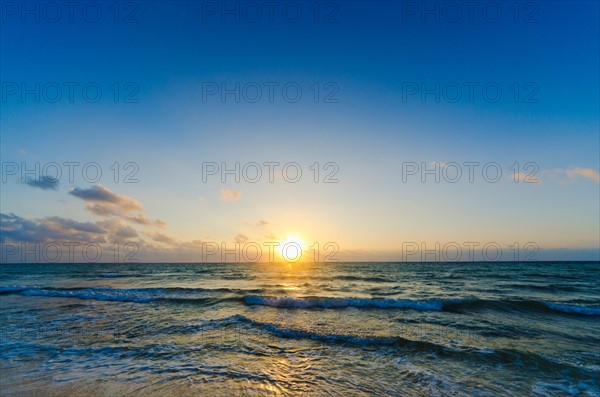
point(230, 195)
point(586, 173)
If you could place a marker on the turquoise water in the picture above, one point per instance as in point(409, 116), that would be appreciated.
point(347, 329)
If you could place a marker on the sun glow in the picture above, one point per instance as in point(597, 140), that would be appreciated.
point(291, 249)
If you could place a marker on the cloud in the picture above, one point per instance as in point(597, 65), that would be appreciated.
point(174, 246)
point(154, 246)
point(230, 195)
point(125, 232)
point(163, 238)
point(70, 224)
point(55, 229)
point(118, 230)
point(201, 199)
point(566, 176)
point(101, 201)
point(586, 173)
point(191, 245)
point(262, 227)
point(257, 224)
point(105, 199)
point(242, 239)
point(141, 219)
point(525, 178)
point(44, 182)
point(17, 229)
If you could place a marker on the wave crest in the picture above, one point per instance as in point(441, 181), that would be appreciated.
point(321, 302)
point(578, 309)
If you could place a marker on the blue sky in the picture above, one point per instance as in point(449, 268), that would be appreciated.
point(367, 55)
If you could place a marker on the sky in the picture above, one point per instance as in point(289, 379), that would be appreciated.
point(362, 131)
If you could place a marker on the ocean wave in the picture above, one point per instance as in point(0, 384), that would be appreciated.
point(321, 302)
point(458, 304)
point(469, 353)
point(215, 295)
point(111, 275)
point(571, 308)
point(11, 290)
point(523, 305)
point(102, 294)
point(372, 279)
point(543, 287)
point(136, 295)
point(295, 333)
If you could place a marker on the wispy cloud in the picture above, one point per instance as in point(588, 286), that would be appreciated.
point(107, 199)
point(230, 195)
point(241, 238)
point(586, 173)
point(141, 219)
point(525, 178)
point(43, 182)
point(565, 176)
point(102, 201)
point(163, 238)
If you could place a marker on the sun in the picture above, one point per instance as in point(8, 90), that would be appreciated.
point(291, 249)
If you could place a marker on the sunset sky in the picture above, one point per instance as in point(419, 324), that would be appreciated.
point(368, 122)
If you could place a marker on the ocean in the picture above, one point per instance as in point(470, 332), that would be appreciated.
point(304, 329)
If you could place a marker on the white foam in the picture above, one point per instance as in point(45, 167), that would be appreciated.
point(321, 302)
point(579, 309)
